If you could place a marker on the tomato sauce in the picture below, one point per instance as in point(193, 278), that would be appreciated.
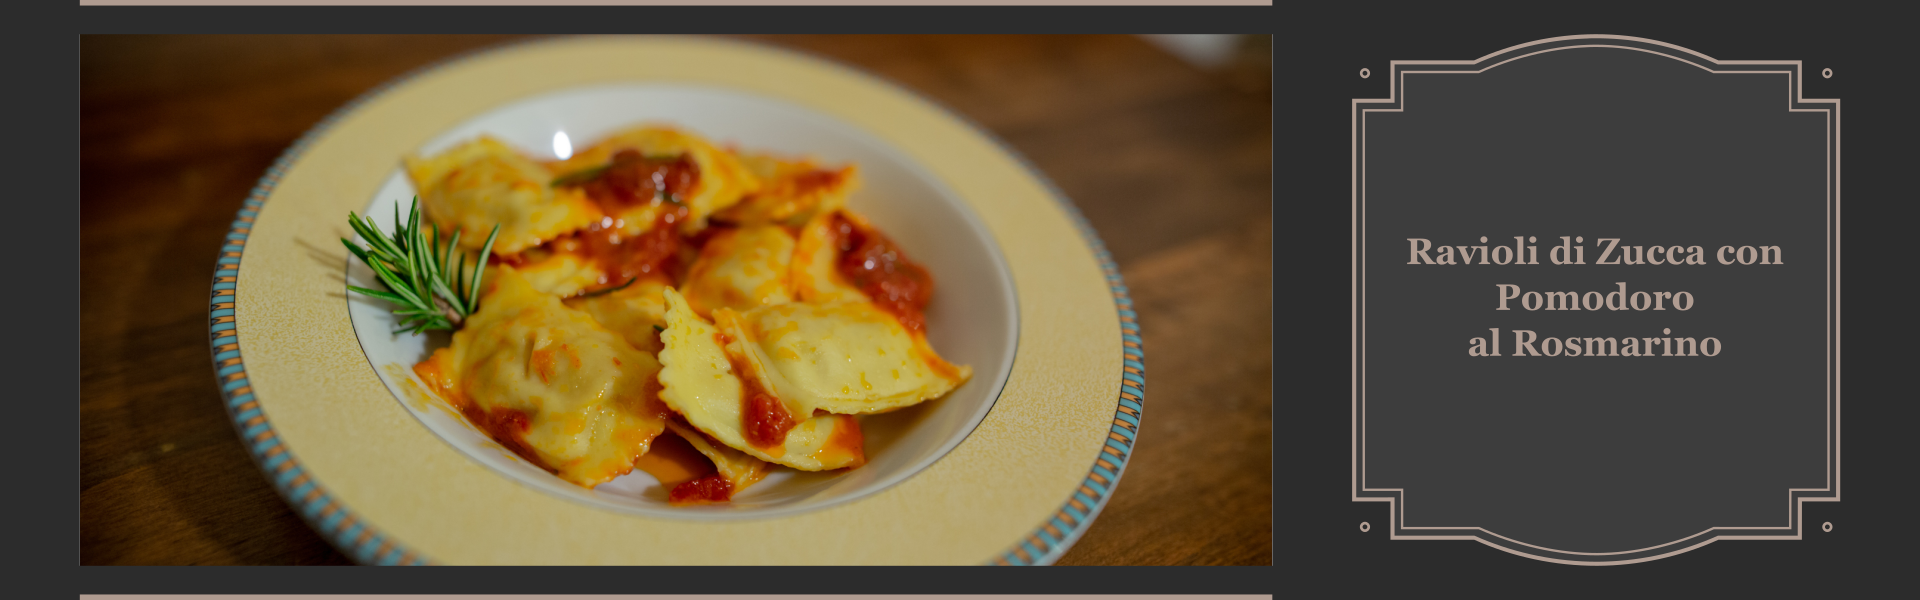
point(712, 488)
point(544, 360)
point(649, 403)
point(846, 438)
point(632, 179)
point(763, 419)
point(505, 425)
point(767, 421)
point(673, 460)
point(881, 270)
point(654, 253)
point(509, 427)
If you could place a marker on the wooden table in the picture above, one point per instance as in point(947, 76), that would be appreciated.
point(1171, 163)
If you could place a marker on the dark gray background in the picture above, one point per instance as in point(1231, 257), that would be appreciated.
point(1596, 454)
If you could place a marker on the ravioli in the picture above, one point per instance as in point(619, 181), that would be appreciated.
point(741, 268)
point(844, 358)
point(476, 185)
point(815, 274)
point(632, 312)
point(791, 191)
point(718, 180)
point(846, 258)
point(700, 381)
point(550, 384)
point(560, 273)
point(734, 470)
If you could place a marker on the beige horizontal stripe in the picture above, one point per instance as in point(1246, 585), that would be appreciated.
point(674, 2)
point(666, 597)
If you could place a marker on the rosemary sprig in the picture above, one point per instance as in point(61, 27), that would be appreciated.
point(427, 282)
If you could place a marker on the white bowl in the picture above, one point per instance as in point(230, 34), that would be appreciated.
point(972, 320)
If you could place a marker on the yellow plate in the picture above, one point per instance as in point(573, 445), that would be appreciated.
point(374, 480)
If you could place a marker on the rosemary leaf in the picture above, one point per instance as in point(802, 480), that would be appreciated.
point(439, 258)
point(392, 281)
point(354, 249)
point(609, 290)
point(453, 254)
point(379, 294)
point(580, 176)
point(480, 268)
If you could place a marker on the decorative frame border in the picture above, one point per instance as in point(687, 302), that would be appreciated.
point(1796, 102)
point(364, 542)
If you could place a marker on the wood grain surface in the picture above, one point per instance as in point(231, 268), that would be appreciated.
point(1172, 163)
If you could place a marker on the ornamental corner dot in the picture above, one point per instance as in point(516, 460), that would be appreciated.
point(1365, 526)
point(1364, 73)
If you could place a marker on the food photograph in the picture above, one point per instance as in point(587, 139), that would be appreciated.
point(676, 300)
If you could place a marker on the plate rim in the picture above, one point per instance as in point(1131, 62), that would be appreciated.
point(337, 523)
